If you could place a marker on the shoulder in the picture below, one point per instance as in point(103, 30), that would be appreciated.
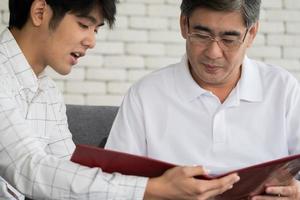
point(274, 74)
point(6, 77)
point(3, 61)
point(159, 80)
point(3, 51)
point(50, 86)
point(152, 91)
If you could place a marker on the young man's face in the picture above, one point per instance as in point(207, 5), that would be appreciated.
point(70, 40)
point(213, 64)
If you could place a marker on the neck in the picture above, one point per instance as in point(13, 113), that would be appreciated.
point(25, 39)
point(221, 90)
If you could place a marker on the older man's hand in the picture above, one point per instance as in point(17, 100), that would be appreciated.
point(290, 192)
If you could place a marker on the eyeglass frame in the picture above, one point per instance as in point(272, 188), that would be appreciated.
point(214, 38)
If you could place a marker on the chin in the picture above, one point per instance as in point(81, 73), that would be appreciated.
point(64, 71)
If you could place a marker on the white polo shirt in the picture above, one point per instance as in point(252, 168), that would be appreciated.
point(167, 116)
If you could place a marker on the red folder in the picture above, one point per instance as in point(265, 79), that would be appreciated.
point(253, 179)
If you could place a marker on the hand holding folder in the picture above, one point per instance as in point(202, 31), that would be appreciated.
point(253, 179)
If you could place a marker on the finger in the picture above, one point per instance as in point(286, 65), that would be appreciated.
point(215, 192)
point(217, 186)
point(288, 191)
point(269, 197)
point(224, 182)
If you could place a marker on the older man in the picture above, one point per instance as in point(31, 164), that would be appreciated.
point(217, 107)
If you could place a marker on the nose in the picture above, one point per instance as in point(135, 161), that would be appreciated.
point(213, 50)
point(90, 40)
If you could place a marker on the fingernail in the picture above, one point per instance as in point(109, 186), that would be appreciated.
point(206, 171)
point(237, 178)
point(269, 190)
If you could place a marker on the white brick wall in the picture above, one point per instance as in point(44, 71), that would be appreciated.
point(146, 37)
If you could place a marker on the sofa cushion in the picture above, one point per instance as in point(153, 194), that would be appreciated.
point(90, 124)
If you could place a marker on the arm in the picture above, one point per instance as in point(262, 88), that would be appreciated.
point(27, 164)
point(292, 105)
point(128, 130)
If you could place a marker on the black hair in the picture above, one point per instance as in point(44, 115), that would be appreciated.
point(20, 9)
point(250, 9)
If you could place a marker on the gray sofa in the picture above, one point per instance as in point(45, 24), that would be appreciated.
point(90, 124)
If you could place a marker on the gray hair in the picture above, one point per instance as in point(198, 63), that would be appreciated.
point(250, 9)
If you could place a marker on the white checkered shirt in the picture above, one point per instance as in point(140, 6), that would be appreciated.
point(36, 144)
point(7, 192)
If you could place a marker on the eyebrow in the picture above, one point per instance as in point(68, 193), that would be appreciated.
point(91, 19)
point(207, 29)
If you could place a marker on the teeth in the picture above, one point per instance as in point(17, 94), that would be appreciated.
point(76, 54)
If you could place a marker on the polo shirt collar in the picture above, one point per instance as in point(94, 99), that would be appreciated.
point(185, 85)
point(20, 67)
point(250, 84)
point(249, 87)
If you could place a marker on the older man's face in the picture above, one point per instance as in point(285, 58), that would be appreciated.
point(216, 44)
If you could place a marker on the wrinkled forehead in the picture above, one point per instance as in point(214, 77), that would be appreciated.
point(216, 19)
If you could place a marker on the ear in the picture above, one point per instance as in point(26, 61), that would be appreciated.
point(183, 26)
point(252, 34)
point(37, 12)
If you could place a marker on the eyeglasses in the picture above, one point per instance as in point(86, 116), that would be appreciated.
point(227, 43)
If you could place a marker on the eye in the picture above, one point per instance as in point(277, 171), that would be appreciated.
point(82, 25)
point(230, 40)
point(202, 36)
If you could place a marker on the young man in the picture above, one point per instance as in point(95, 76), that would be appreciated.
point(216, 107)
point(35, 143)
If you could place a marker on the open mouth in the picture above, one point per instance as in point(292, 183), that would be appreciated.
point(76, 55)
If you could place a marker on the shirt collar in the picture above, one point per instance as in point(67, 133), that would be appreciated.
point(249, 86)
point(19, 64)
point(186, 86)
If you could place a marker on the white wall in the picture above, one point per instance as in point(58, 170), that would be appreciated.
point(146, 37)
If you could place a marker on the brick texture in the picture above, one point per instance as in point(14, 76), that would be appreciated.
point(146, 37)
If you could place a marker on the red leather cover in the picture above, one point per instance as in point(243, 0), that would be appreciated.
point(112, 161)
point(254, 179)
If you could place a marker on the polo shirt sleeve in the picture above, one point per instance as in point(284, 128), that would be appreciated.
point(128, 131)
point(293, 116)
